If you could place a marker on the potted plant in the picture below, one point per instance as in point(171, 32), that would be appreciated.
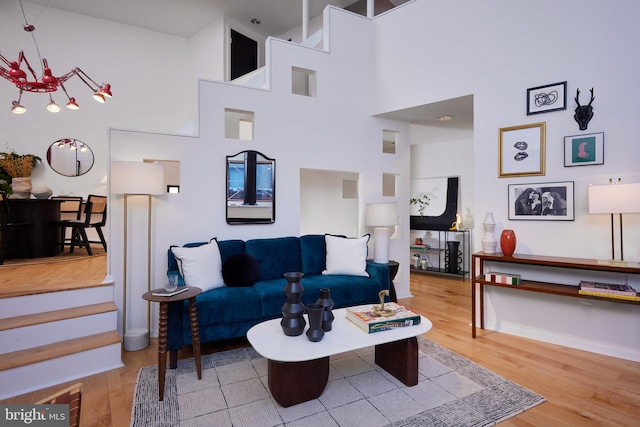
point(15, 170)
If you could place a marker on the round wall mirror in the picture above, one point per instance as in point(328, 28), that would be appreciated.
point(70, 157)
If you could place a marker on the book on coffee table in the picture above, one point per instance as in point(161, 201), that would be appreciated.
point(364, 317)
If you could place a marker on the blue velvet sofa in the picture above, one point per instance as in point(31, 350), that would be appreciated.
point(228, 312)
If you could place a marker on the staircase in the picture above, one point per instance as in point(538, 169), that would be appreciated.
point(56, 336)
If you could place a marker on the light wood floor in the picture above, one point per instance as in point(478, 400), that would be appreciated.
point(581, 388)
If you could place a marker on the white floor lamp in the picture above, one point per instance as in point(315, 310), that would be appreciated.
point(381, 216)
point(136, 178)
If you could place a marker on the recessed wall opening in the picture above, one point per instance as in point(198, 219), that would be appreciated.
point(238, 124)
point(349, 189)
point(303, 81)
point(388, 185)
point(389, 141)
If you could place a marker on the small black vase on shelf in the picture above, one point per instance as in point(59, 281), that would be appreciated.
point(315, 332)
point(293, 322)
point(326, 302)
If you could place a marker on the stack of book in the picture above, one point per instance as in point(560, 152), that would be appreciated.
point(503, 278)
point(363, 317)
point(608, 290)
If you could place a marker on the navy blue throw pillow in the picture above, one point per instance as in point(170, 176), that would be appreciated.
point(240, 270)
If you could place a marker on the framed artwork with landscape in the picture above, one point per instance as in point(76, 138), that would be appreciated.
point(546, 201)
point(584, 150)
point(543, 99)
point(522, 150)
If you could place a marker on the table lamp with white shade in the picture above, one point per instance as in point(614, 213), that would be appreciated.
point(136, 178)
point(382, 216)
point(615, 198)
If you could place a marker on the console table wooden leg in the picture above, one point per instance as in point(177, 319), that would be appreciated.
point(291, 383)
point(195, 334)
point(400, 359)
point(162, 347)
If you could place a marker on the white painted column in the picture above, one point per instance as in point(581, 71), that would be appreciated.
point(305, 19)
point(371, 6)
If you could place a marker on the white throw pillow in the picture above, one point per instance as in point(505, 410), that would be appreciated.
point(200, 266)
point(347, 256)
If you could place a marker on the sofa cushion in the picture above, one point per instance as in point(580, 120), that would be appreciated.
point(240, 270)
point(200, 266)
point(230, 247)
point(345, 290)
point(313, 254)
point(346, 256)
point(275, 256)
point(226, 305)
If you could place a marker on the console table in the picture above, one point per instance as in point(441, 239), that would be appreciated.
point(478, 265)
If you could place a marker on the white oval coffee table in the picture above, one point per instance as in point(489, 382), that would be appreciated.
point(299, 369)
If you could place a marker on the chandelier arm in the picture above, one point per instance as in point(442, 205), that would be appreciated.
point(21, 59)
point(82, 73)
point(67, 76)
point(65, 91)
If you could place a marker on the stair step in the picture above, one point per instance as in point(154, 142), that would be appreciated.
point(56, 315)
point(59, 349)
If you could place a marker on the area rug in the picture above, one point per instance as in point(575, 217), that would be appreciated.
point(452, 391)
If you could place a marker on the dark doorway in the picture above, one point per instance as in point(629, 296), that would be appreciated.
point(244, 54)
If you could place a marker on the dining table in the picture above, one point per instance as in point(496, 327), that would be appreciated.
point(44, 214)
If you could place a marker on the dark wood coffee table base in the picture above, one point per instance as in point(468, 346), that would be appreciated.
point(291, 383)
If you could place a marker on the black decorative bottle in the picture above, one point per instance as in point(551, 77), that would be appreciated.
point(293, 322)
point(315, 332)
point(326, 301)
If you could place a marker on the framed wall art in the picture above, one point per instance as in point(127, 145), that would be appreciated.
point(584, 150)
point(548, 201)
point(522, 150)
point(543, 99)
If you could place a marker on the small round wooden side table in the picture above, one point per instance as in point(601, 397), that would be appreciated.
point(189, 294)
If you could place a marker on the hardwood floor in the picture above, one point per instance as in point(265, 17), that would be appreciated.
point(581, 388)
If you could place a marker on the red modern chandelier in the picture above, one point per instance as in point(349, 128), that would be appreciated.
point(47, 83)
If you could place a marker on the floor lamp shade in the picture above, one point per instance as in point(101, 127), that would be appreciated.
point(381, 216)
point(136, 178)
point(615, 199)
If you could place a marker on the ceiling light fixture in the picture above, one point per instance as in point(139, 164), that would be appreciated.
point(445, 118)
point(47, 83)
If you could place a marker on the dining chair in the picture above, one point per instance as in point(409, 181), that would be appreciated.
point(69, 206)
point(95, 216)
point(8, 229)
point(71, 396)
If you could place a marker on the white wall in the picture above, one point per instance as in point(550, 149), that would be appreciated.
point(496, 52)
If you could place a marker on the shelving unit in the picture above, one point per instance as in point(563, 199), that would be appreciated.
point(436, 254)
point(478, 263)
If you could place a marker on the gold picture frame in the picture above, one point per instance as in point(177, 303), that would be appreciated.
point(522, 150)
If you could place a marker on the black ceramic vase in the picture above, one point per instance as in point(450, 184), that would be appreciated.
point(326, 301)
point(452, 257)
point(315, 332)
point(293, 322)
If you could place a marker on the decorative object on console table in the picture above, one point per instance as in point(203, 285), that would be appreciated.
point(18, 167)
point(613, 199)
point(326, 301)
point(381, 216)
point(489, 241)
point(137, 179)
point(41, 192)
point(315, 331)
point(452, 257)
point(293, 322)
point(508, 242)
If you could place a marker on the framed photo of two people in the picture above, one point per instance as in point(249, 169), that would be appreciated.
point(548, 201)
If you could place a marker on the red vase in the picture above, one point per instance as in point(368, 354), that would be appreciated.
point(508, 242)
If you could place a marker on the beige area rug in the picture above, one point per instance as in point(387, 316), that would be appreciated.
point(452, 391)
point(78, 253)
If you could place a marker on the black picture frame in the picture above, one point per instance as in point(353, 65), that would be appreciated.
point(542, 201)
point(547, 98)
point(584, 149)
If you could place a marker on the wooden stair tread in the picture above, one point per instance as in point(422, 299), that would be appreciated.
point(55, 350)
point(56, 315)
